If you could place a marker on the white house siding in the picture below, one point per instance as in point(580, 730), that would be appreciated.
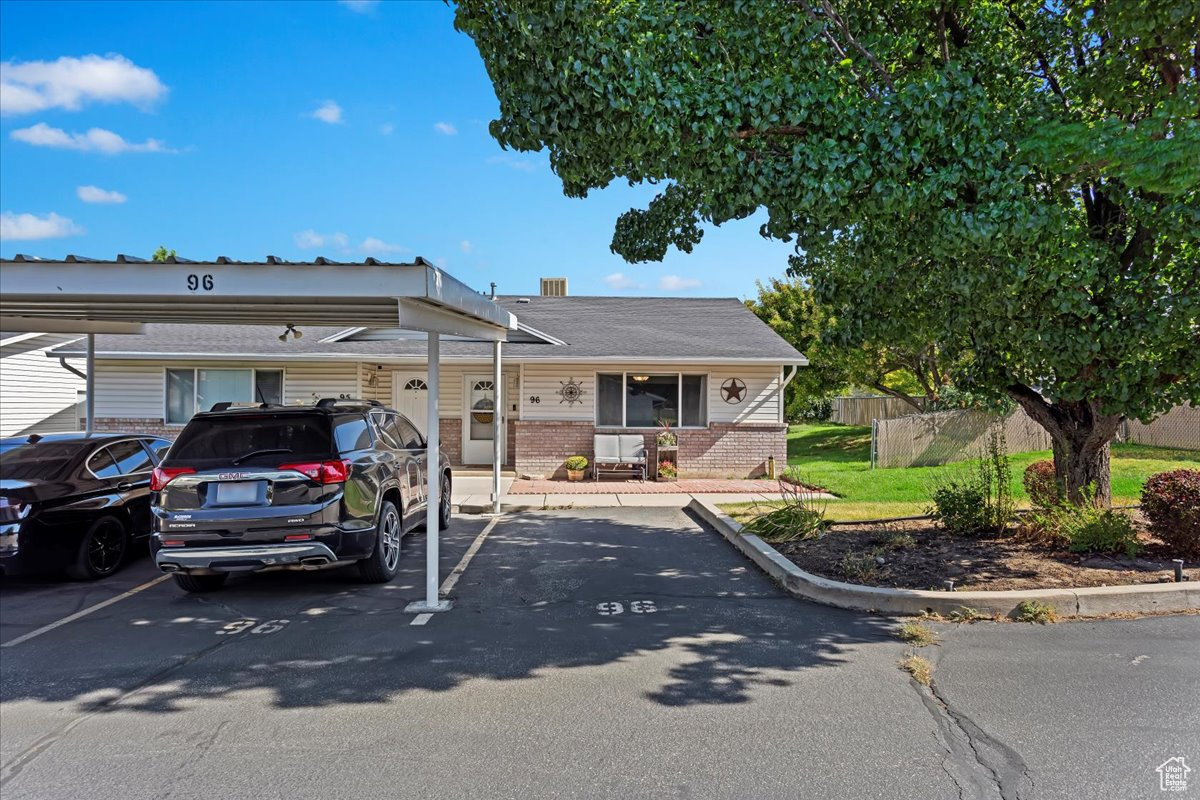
point(761, 404)
point(131, 395)
point(36, 393)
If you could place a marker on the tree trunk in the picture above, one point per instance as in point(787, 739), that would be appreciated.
point(1080, 436)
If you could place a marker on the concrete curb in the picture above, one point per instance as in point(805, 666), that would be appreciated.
point(1065, 602)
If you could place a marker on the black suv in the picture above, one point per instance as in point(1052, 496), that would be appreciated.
point(303, 487)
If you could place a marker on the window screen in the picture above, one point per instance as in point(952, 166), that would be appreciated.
point(268, 386)
point(610, 398)
point(695, 401)
point(181, 395)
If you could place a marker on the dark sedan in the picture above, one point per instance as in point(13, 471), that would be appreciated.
point(75, 501)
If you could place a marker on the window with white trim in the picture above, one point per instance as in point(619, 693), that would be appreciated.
point(649, 399)
point(191, 390)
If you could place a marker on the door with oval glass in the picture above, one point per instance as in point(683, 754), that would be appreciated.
point(410, 396)
point(480, 404)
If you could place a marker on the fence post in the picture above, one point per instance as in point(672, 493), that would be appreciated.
point(874, 436)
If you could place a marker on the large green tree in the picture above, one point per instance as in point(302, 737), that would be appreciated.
point(915, 371)
point(1019, 178)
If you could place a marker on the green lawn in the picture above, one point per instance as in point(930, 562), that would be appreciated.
point(838, 458)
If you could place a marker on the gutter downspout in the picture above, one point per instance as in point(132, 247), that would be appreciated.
point(62, 361)
point(783, 385)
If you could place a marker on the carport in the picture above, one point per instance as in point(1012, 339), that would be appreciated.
point(82, 295)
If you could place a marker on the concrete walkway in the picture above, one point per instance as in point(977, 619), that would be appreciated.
point(472, 494)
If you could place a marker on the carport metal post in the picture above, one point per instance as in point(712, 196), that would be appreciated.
point(90, 386)
point(497, 426)
point(433, 474)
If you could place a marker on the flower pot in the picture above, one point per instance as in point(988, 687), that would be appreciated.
point(575, 474)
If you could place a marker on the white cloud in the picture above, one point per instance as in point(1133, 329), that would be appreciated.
point(387, 128)
point(360, 6)
point(466, 246)
point(310, 239)
point(510, 160)
point(94, 140)
point(674, 283)
point(26, 227)
point(620, 282)
point(94, 194)
point(329, 112)
point(445, 128)
point(69, 83)
point(377, 247)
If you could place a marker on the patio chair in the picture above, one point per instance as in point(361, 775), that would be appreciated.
point(620, 454)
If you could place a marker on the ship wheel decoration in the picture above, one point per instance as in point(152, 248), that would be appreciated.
point(571, 392)
point(733, 391)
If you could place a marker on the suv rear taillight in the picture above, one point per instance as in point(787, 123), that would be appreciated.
point(164, 475)
point(322, 471)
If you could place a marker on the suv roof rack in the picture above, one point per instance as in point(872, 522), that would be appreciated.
point(330, 402)
point(226, 405)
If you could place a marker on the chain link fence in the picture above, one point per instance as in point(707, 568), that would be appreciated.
point(925, 440)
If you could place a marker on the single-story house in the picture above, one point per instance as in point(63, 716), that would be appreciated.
point(37, 393)
point(576, 366)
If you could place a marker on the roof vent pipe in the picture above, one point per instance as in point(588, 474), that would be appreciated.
point(493, 290)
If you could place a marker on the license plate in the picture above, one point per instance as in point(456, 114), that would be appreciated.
point(238, 493)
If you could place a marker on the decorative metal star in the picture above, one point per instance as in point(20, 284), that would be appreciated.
point(733, 390)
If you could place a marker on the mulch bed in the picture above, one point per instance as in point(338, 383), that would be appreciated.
point(917, 554)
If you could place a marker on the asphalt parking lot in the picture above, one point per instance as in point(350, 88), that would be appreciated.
point(613, 653)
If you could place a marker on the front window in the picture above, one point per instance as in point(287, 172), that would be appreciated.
point(192, 390)
point(648, 400)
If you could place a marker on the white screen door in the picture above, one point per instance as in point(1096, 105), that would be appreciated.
point(410, 396)
point(479, 409)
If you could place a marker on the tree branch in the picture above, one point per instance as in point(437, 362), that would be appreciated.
point(841, 24)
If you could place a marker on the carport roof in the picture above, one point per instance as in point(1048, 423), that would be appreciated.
point(92, 295)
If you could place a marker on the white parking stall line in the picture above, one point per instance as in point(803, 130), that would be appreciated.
point(456, 573)
point(84, 612)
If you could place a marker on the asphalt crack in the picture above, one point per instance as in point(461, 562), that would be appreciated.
point(981, 766)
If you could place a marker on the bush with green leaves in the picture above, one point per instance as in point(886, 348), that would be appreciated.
point(1084, 528)
point(801, 515)
point(1171, 503)
point(1041, 484)
point(980, 500)
point(576, 463)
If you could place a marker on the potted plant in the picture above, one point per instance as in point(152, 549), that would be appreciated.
point(576, 465)
point(666, 437)
point(667, 470)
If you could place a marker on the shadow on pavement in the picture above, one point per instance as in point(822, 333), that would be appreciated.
point(528, 608)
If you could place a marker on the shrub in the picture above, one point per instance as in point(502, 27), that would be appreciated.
point(1041, 484)
point(1171, 503)
point(980, 501)
point(1035, 611)
point(811, 410)
point(1085, 529)
point(576, 463)
point(966, 614)
point(801, 516)
point(858, 566)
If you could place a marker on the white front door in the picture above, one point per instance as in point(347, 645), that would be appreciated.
point(410, 396)
point(479, 407)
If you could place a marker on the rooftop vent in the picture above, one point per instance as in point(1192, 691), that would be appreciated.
point(554, 287)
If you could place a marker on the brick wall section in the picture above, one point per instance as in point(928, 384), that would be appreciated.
point(151, 425)
point(723, 450)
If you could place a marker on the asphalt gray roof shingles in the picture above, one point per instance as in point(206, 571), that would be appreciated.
point(616, 328)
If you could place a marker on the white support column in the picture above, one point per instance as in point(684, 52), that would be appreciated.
point(433, 489)
point(498, 432)
point(90, 403)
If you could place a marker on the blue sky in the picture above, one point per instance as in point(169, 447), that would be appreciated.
point(301, 129)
